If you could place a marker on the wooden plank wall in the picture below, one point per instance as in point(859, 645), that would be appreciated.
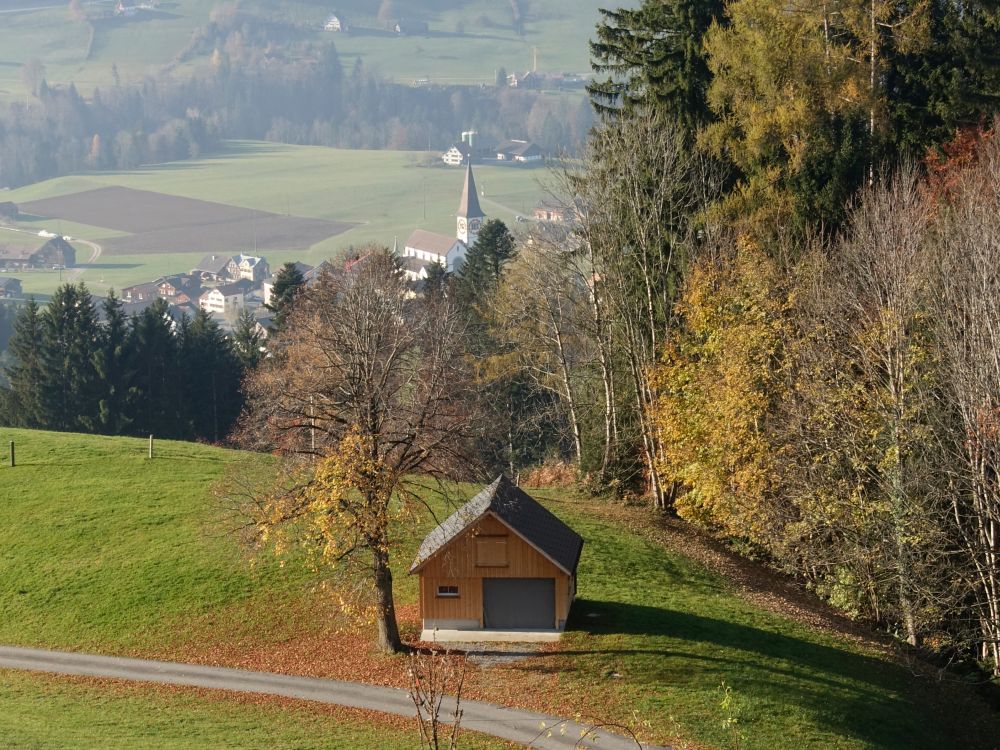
point(455, 565)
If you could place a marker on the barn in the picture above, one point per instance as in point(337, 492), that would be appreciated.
point(502, 565)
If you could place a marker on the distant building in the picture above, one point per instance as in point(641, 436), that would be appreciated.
point(223, 269)
point(55, 253)
point(424, 248)
point(252, 268)
point(409, 28)
point(225, 300)
point(335, 22)
point(471, 147)
point(553, 212)
point(518, 151)
point(216, 269)
point(458, 155)
point(10, 287)
point(126, 9)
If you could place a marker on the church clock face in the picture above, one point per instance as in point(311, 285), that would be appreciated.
point(461, 225)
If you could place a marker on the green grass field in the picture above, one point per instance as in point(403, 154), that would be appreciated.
point(43, 713)
point(469, 39)
point(105, 550)
point(388, 193)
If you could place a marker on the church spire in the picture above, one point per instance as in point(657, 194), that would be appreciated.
point(470, 215)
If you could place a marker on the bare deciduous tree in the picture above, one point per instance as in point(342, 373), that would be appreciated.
point(368, 391)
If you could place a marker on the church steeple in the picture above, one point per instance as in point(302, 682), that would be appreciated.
point(470, 215)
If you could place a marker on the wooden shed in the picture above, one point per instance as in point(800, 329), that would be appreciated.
point(502, 563)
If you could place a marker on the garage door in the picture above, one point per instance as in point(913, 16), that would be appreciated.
point(519, 603)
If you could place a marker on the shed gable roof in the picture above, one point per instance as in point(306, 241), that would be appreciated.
point(521, 512)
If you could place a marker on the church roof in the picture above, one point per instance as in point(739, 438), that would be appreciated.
point(431, 242)
point(468, 207)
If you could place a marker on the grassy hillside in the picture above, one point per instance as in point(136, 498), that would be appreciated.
point(469, 39)
point(388, 193)
point(106, 550)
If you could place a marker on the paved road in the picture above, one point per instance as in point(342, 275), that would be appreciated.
point(510, 724)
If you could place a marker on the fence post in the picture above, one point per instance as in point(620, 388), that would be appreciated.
point(12, 453)
point(150, 446)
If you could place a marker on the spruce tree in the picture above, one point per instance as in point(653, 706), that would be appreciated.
point(70, 387)
point(211, 372)
point(287, 284)
point(247, 341)
point(115, 366)
point(23, 404)
point(653, 57)
point(480, 273)
point(158, 408)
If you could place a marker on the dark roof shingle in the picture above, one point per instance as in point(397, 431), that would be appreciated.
point(521, 512)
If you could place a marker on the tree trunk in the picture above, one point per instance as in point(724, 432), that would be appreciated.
point(389, 641)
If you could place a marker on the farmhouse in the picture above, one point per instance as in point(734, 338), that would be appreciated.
point(501, 562)
point(10, 287)
point(56, 252)
point(335, 23)
point(522, 152)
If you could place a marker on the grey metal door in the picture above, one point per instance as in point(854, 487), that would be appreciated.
point(519, 603)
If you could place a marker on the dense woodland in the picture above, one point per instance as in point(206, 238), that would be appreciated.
point(261, 84)
point(775, 313)
point(81, 367)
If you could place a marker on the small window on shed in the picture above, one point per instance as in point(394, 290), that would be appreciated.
point(491, 551)
point(448, 591)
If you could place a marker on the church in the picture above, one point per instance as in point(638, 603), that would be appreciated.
point(424, 248)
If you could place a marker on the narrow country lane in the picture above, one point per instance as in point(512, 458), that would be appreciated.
point(519, 726)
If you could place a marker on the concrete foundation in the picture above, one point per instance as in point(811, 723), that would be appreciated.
point(489, 636)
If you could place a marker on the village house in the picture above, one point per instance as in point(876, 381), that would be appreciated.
point(54, 253)
point(424, 248)
point(224, 269)
point(335, 22)
point(553, 212)
point(472, 146)
point(10, 287)
point(251, 268)
point(502, 565)
point(226, 300)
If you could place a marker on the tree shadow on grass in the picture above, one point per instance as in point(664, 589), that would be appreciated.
point(841, 691)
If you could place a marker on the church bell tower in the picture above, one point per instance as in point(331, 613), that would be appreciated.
point(470, 215)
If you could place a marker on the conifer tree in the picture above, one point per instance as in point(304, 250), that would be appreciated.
point(24, 375)
point(654, 58)
point(287, 284)
point(247, 341)
point(211, 374)
point(114, 364)
point(69, 383)
point(158, 396)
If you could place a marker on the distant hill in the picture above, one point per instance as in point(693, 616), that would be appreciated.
point(466, 40)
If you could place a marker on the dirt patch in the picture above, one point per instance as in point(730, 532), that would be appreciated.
point(160, 223)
